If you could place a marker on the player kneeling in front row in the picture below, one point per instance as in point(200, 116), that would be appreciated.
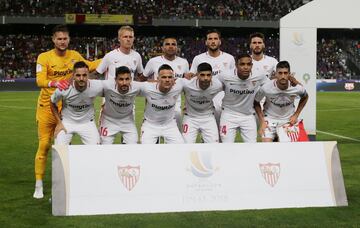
point(279, 107)
point(117, 115)
point(199, 106)
point(159, 116)
point(77, 114)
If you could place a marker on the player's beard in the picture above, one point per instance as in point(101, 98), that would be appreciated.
point(124, 89)
point(81, 85)
point(61, 48)
point(213, 49)
point(258, 51)
point(205, 84)
point(283, 83)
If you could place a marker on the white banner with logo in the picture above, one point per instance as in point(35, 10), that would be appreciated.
point(110, 179)
point(298, 47)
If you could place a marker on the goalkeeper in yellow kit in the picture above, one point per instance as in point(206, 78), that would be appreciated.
point(53, 70)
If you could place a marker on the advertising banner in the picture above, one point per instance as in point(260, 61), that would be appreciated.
point(111, 179)
point(103, 19)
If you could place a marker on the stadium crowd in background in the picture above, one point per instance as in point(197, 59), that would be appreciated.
point(332, 59)
point(18, 52)
point(232, 9)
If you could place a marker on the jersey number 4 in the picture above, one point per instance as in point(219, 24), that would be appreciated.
point(223, 130)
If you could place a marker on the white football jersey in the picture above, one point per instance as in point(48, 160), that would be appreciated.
point(179, 65)
point(219, 64)
point(199, 102)
point(240, 94)
point(160, 107)
point(117, 58)
point(266, 66)
point(78, 107)
point(279, 103)
point(117, 105)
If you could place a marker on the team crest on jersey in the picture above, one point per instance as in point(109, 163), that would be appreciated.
point(270, 172)
point(129, 176)
point(225, 64)
point(253, 83)
point(73, 61)
point(135, 62)
point(179, 67)
point(266, 67)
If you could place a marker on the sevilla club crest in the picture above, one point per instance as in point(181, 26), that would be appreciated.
point(129, 175)
point(270, 172)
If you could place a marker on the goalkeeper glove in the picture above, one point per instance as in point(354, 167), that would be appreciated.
point(61, 85)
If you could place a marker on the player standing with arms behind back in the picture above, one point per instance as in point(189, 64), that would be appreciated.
point(53, 69)
point(122, 56)
point(220, 62)
point(262, 64)
point(178, 64)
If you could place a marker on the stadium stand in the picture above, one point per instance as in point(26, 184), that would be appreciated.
point(232, 9)
point(337, 58)
point(332, 60)
point(19, 52)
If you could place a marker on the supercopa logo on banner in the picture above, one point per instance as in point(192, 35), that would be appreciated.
point(202, 164)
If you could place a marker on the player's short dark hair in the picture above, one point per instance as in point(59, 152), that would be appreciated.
point(213, 31)
point(256, 34)
point(165, 67)
point(242, 55)
point(80, 64)
point(60, 28)
point(168, 37)
point(122, 70)
point(204, 67)
point(283, 64)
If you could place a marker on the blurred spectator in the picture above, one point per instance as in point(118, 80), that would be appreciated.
point(175, 9)
point(331, 60)
point(18, 52)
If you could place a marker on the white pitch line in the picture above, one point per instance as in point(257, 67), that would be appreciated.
point(339, 109)
point(16, 107)
point(339, 136)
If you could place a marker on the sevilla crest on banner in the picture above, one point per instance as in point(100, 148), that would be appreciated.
point(129, 176)
point(292, 133)
point(270, 172)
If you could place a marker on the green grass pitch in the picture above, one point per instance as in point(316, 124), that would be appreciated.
point(337, 114)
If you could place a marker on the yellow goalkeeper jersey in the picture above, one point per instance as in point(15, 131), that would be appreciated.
point(50, 66)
